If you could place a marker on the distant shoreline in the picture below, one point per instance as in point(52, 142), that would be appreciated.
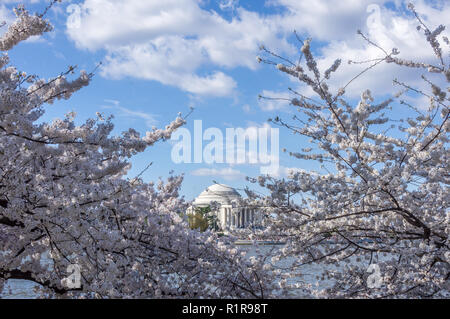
point(258, 242)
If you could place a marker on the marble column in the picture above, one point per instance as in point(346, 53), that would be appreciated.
point(247, 216)
point(225, 217)
point(241, 215)
point(238, 219)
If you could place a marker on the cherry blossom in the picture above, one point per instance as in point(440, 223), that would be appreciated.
point(381, 191)
point(65, 200)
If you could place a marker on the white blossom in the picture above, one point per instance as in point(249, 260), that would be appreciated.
point(64, 194)
point(382, 192)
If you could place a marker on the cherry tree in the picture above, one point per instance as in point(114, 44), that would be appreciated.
point(65, 200)
point(375, 217)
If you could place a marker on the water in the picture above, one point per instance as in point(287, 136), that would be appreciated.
point(24, 289)
point(309, 273)
point(19, 289)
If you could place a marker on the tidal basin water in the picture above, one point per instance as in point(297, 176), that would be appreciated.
point(24, 289)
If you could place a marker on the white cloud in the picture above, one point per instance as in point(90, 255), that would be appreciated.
point(152, 62)
point(273, 101)
point(149, 119)
point(283, 171)
point(20, 1)
point(6, 15)
point(322, 19)
point(225, 173)
point(247, 108)
point(179, 43)
point(171, 41)
point(389, 30)
point(228, 4)
point(337, 24)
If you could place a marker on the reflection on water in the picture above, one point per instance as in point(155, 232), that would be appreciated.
point(18, 288)
point(24, 289)
point(309, 273)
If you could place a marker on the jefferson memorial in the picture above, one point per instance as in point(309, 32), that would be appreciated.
point(230, 214)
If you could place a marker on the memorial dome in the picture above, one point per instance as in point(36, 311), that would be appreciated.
point(220, 193)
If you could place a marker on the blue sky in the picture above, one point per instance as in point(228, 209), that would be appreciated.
point(163, 57)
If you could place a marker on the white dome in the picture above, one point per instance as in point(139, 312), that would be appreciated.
point(220, 193)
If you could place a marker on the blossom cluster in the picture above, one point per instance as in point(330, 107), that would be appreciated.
point(65, 199)
point(381, 191)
